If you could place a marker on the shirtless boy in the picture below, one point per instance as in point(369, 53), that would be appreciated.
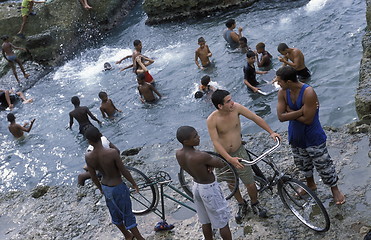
point(210, 213)
point(231, 36)
point(224, 128)
point(142, 68)
point(9, 55)
point(265, 62)
point(8, 98)
point(146, 90)
point(81, 113)
point(16, 129)
point(203, 53)
point(107, 108)
point(108, 162)
point(298, 103)
point(243, 45)
point(297, 61)
point(136, 52)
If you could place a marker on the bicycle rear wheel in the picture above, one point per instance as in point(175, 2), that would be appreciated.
point(304, 204)
point(147, 198)
point(226, 176)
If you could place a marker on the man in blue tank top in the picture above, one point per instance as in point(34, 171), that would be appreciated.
point(231, 36)
point(298, 104)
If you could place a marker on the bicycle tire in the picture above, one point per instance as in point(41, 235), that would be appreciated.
point(226, 176)
point(146, 199)
point(308, 208)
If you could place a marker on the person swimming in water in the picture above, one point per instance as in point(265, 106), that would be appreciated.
point(231, 36)
point(205, 87)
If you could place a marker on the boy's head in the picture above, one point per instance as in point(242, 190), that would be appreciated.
point(201, 42)
point(250, 55)
point(230, 22)
point(188, 136)
point(285, 74)
point(5, 38)
point(205, 80)
point(107, 66)
point(140, 78)
point(137, 45)
point(10, 117)
point(75, 101)
point(103, 96)
point(282, 47)
point(243, 42)
point(93, 135)
point(199, 94)
point(218, 97)
point(260, 47)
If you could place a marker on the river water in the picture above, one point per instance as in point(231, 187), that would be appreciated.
point(329, 32)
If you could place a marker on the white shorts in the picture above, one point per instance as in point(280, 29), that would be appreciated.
point(210, 204)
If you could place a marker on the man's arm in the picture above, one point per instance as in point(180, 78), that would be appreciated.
point(155, 90)
point(196, 60)
point(209, 54)
point(30, 127)
point(71, 121)
point(236, 37)
point(92, 172)
point(310, 106)
point(140, 63)
point(141, 96)
point(254, 89)
point(92, 116)
point(282, 113)
point(263, 60)
point(214, 136)
point(256, 119)
point(122, 59)
point(125, 172)
point(103, 112)
point(212, 161)
point(113, 105)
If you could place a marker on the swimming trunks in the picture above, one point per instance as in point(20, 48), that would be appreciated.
point(84, 127)
point(119, 205)
point(11, 58)
point(228, 38)
point(211, 206)
point(147, 77)
point(303, 74)
point(25, 9)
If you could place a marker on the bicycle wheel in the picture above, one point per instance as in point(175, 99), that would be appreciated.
point(147, 198)
point(226, 176)
point(304, 204)
point(260, 183)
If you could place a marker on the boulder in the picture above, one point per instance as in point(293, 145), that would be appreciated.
point(60, 28)
point(168, 10)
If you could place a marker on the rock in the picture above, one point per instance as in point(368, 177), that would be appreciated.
point(168, 10)
point(40, 191)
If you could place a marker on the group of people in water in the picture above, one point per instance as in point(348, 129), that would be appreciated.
point(297, 103)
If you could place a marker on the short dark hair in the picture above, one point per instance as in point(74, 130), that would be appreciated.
point(141, 76)
point(10, 117)
point(282, 47)
point(199, 94)
point(93, 134)
point(250, 54)
point(260, 45)
point(287, 73)
point(102, 94)
point(243, 39)
point(184, 133)
point(201, 39)
point(136, 42)
point(218, 97)
point(75, 100)
point(229, 23)
point(205, 80)
point(5, 37)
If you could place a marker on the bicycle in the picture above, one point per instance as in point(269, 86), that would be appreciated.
point(295, 195)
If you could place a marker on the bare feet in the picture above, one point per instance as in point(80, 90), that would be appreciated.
point(28, 101)
point(27, 75)
point(339, 197)
point(87, 7)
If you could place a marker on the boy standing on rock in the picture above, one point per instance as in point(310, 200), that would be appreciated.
point(9, 55)
point(108, 162)
point(213, 212)
point(26, 10)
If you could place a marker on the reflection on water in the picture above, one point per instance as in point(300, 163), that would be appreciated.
point(328, 32)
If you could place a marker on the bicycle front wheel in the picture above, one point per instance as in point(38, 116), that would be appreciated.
point(147, 198)
point(226, 176)
point(304, 204)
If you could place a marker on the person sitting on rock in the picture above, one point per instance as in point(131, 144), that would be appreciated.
point(8, 98)
point(9, 55)
point(26, 10)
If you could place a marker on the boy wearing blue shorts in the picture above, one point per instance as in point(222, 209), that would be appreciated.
point(212, 208)
point(108, 162)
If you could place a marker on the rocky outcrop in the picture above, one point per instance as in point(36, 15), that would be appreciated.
point(168, 10)
point(363, 96)
point(60, 27)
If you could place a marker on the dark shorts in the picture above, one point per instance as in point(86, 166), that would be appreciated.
point(303, 74)
point(119, 205)
point(84, 127)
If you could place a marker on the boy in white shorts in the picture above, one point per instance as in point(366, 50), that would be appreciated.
point(212, 208)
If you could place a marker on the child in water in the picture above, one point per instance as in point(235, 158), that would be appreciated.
point(205, 87)
point(107, 108)
point(146, 90)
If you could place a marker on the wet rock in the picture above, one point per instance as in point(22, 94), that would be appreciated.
point(131, 152)
point(40, 191)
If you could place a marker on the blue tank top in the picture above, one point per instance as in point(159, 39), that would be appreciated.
point(300, 134)
point(228, 38)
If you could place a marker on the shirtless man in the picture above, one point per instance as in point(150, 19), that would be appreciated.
point(203, 53)
point(107, 108)
point(224, 128)
point(230, 36)
point(81, 113)
point(16, 129)
point(210, 213)
point(298, 103)
point(297, 61)
point(9, 55)
point(107, 161)
point(146, 90)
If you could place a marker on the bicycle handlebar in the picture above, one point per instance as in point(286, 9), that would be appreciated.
point(249, 163)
